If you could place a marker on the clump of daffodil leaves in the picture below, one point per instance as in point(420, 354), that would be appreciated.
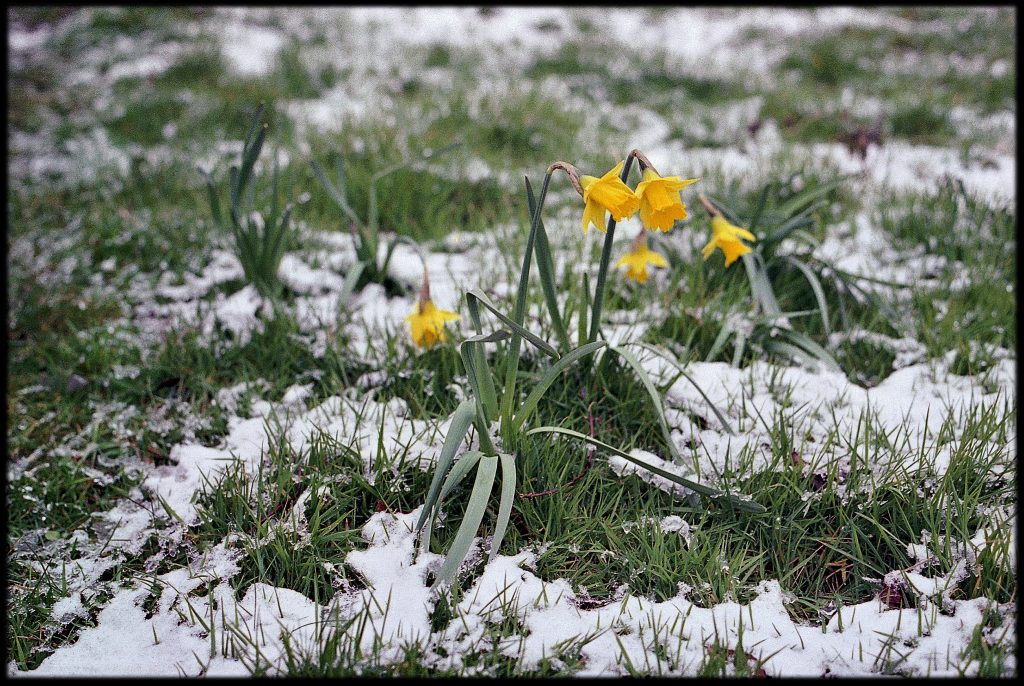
point(496, 409)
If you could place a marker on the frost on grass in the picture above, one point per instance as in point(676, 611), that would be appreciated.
point(392, 612)
point(191, 621)
point(375, 626)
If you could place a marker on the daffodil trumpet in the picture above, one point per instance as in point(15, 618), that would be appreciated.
point(639, 257)
point(426, 323)
point(725, 236)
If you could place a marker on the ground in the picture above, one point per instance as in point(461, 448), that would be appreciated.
point(205, 480)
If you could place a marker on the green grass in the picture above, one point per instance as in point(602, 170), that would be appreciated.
point(841, 508)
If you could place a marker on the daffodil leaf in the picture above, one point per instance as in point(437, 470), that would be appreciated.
point(549, 378)
point(478, 498)
point(546, 270)
point(736, 501)
point(720, 341)
point(457, 430)
point(667, 356)
point(493, 337)
point(512, 364)
point(645, 380)
point(212, 194)
point(739, 345)
point(334, 192)
point(819, 292)
point(508, 492)
point(351, 279)
point(805, 198)
point(584, 308)
point(760, 286)
point(756, 217)
point(814, 350)
point(606, 256)
point(251, 151)
point(516, 328)
point(479, 371)
point(454, 478)
point(772, 240)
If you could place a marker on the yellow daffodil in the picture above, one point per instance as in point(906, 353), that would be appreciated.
point(727, 237)
point(638, 257)
point(606, 194)
point(426, 323)
point(660, 203)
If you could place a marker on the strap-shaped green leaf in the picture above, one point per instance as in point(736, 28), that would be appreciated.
point(512, 358)
point(461, 419)
point(214, 200)
point(351, 279)
point(249, 156)
point(546, 270)
point(454, 478)
point(819, 292)
point(805, 198)
point(667, 356)
point(336, 193)
point(760, 286)
point(814, 350)
point(738, 502)
point(761, 201)
point(475, 361)
point(481, 493)
point(530, 404)
point(508, 492)
point(645, 379)
point(720, 340)
point(539, 342)
point(584, 309)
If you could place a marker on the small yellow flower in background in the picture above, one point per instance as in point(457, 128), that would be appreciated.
point(727, 237)
point(638, 257)
point(426, 323)
point(660, 203)
point(607, 194)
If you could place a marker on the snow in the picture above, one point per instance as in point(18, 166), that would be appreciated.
point(395, 608)
point(201, 625)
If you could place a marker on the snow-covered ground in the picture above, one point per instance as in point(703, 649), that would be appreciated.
point(200, 625)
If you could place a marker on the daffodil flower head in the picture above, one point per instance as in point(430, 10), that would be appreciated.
point(426, 323)
point(660, 202)
point(727, 237)
point(639, 257)
point(607, 194)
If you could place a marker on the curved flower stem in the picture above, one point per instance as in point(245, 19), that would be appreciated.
point(708, 205)
point(606, 256)
point(643, 161)
point(512, 366)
